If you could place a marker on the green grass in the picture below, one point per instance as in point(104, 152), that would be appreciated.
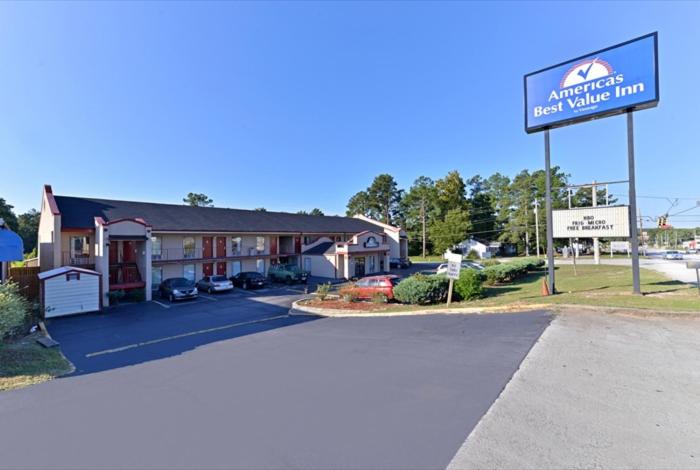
point(24, 363)
point(427, 259)
point(603, 285)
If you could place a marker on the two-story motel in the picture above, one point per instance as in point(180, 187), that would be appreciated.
point(135, 245)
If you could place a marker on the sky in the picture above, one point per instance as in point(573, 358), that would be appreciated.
point(296, 105)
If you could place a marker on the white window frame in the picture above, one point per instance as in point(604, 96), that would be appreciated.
point(188, 253)
point(236, 246)
point(155, 285)
point(156, 247)
point(260, 244)
point(185, 270)
point(258, 264)
point(233, 269)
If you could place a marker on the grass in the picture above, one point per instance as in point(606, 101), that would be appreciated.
point(602, 285)
point(427, 259)
point(24, 363)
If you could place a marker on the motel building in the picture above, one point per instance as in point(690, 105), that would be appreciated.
point(136, 245)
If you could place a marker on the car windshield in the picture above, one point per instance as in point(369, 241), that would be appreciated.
point(394, 281)
point(180, 282)
point(219, 278)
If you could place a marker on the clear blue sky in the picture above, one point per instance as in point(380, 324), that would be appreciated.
point(299, 105)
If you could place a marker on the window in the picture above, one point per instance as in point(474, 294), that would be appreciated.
point(235, 267)
point(156, 278)
point(79, 247)
point(235, 246)
point(371, 264)
point(188, 272)
point(188, 247)
point(73, 277)
point(260, 244)
point(260, 266)
point(156, 248)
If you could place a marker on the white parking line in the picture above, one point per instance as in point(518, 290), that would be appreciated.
point(160, 303)
point(183, 335)
point(208, 297)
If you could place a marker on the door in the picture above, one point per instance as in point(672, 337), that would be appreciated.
point(129, 252)
point(221, 247)
point(113, 252)
point(307, 265)
point(221, 269)
point(297, 245)
point(208, 269)
point(207, 247)
point(359, 267)
point(273, 245)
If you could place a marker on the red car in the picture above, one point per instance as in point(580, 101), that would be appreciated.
point(367, 287)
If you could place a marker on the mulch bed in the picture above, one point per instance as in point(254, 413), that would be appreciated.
point(343, 305)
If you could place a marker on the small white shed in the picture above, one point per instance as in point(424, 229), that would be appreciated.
point(68, 290)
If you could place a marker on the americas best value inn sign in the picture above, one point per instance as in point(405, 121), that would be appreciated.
point(606, 82)
point(592, 222)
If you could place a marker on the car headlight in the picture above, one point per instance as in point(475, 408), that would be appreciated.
point(195, 291)
point(176, 292)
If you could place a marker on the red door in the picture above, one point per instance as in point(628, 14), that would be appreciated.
point(114, 253)
point(129, 252)
point(208, 269)
point(221, 247)
point(273, 245)
point(207, 247)
point(297, 245)
point(221, 269)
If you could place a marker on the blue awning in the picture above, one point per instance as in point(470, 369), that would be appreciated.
point(11, 246)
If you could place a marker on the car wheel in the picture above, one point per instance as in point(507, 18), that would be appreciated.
point(245, 285)
point(210, 291)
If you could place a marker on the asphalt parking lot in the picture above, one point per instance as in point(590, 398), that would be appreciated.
point(292, 392)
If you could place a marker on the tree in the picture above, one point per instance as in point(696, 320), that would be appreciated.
point(451, 193)
point(260, 209)
point(384, 197)
point(198, 200)
point(418, 204)
point(314, 211)
point(447, 233)
point(359, 204)
point(8, 216)
point(481, 210)
point(28, 229)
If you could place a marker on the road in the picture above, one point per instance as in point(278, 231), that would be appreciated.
point(673, 269)
point(168, 391)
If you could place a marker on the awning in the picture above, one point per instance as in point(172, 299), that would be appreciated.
point(11, 246)
point(140, 238)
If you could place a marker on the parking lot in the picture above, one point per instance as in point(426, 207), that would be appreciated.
point(233, 382)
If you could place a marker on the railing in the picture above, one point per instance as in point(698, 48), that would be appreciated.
point(182, 254)
point(77, 259)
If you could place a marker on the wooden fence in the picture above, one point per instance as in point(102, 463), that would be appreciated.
point(28, 281)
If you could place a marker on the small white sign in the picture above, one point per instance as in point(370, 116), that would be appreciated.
point(454, 265)
point(592, 222)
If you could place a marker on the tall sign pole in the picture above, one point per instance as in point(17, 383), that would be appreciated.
point(548, 207)
point(537, 227)
point(634, 236)
point(596, 244)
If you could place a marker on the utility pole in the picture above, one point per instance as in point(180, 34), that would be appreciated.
point(596, 244)
point(641, 230)
point(537, 226)
point(422, 214)
point(571, 243)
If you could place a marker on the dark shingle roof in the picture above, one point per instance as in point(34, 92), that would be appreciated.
point(319, 249)
point(78, 212)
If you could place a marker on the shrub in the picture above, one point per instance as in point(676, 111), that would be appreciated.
point(422, 290)
point(473, 254)
point(349, 294)
point(379, 298)
point(490, 262)
point(115, 296)
point(508, 272)
point(14, 310)
point(136, 295)
point(469, 284)
point(322, 290)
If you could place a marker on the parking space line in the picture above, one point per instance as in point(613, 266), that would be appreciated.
point(208, 297)
point(184, 335)
point(161, 304)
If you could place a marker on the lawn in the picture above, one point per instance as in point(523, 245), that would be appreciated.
point(427, 259)
point(24, 362)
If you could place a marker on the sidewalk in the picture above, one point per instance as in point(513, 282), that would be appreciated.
point(597, 391)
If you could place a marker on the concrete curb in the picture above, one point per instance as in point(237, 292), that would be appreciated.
point(298, 309)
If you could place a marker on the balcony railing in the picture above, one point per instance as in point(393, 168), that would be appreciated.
point(77, 259)
point(183, 254)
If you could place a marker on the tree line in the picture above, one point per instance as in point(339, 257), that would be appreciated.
point(453, 208)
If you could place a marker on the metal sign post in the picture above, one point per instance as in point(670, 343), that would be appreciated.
point(634, 237)
point(548, 206)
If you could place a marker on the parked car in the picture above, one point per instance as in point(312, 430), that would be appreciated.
point(442, 269)
point(213, 284)
point(289, 273)
point(369, 286)
point(248, 280)
point(691, 251)
point(399, 263)
point(673, 254)
point(177, 288)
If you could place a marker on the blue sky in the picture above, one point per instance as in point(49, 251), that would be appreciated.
point(299, 105)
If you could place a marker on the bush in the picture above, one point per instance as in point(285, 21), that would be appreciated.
point(469, 284)
point(322, 290)
point(136, 295)
point(115, 296)
point(379, 298)
point(473, 254)
point(14, 311)
point(509, 272)
point(490, 262)
point(349, 294)
point(422, 290)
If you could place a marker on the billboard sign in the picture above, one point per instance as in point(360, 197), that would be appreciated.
point(592, 222)
point(603, 83)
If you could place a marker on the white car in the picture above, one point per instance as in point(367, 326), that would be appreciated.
point(673, 254)
point(213, 284)
point(442, 269)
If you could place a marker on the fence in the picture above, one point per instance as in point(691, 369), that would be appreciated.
point(27, 280)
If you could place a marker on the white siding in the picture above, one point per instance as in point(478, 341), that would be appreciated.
point(321, 266)
point(63, 297)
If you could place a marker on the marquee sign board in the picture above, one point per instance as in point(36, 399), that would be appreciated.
point(592, 222)
point(607, 82)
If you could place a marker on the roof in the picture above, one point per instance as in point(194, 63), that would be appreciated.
point(65, 269)
point(319, 249)
point(78, 212)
